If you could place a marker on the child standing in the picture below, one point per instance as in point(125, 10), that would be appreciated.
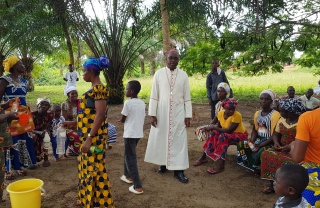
point(133, 114)
point(290, 181)
point(57, 120)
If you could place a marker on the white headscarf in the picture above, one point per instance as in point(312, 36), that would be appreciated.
point(269, 92)
point(68, 89)
point(225, 86)
point(39, 100)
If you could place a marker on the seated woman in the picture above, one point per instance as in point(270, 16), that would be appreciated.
point(265, 121)
point(69, 110)
point(284, 133)
point(42, 122)
point(223, 90)
point(229, 130)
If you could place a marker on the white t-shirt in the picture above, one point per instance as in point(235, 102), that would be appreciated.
point(71, 78)
point(134, 110)
point(311, 104)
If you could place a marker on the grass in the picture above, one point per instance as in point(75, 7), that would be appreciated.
point(244, 88)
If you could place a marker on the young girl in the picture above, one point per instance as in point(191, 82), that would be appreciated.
point(228, 130)
point(57, 120)
point(265, 121)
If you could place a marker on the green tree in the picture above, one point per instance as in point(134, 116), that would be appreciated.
point(120, 33)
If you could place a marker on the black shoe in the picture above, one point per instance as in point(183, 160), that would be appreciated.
point(162, 169)
point(181, 177)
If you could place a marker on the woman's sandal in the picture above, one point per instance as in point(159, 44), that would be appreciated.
point(76, 203)
point(213, 171)
point(21, 172)
point(8, 176)
point(46, 163)
point(268, 190)
point(199, 162)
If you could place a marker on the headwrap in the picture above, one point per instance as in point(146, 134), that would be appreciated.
point(68, 89)
point(269, 92)
point(292, 105)
point(229, 102)
point(10, 62)
point(225, 86)
point(97, 64)
point(40, 100)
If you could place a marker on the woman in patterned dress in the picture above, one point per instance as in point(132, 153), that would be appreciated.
point(228, 130)
point(13, 85)
point(69, 110)
point(284, 133)
point(94, 185)
point(265, 121)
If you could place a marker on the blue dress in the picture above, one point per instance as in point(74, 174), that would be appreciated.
point(19, 89)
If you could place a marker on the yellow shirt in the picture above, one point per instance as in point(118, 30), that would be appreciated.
point(235, 118)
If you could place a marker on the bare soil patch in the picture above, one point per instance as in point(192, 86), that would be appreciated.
point(235, 187)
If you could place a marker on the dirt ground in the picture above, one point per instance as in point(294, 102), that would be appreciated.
point(235, 187)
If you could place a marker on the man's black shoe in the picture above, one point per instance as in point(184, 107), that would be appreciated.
point(181, 177)
point(162, 169)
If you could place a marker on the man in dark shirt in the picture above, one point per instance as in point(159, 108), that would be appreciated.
point(215, 77)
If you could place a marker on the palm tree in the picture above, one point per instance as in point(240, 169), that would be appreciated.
point(120, 33)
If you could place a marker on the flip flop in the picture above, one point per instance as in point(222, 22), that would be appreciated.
point(199, 162)
point(131, 189)
point(124, 179)
point(268, 190)
point(213, 171)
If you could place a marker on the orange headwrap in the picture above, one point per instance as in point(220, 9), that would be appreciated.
point(10, 62)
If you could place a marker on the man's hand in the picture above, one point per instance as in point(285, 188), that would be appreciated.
point(210, 102)
point(187, 122)
point(154, 121)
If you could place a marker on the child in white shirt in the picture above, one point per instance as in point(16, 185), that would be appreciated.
point(133, 114)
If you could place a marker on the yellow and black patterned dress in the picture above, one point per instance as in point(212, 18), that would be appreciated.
point(94, 185)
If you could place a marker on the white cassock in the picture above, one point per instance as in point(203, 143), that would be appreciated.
point(170, 102)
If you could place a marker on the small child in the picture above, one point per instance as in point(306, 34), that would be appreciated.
point(5, 143)
point(133, 114)
point(290, 181)
point(57, 120)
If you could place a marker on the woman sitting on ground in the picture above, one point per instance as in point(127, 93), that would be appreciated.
point(284, 134)
point(228, 130)
point(265, 121)
point(69, 110)
point(42, 122)
point(223, 90)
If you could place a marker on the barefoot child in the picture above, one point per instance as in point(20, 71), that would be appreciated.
point(57, 120)
point(290, 181)
point(133, 114)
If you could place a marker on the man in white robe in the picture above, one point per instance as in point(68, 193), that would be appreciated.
point(171, 110)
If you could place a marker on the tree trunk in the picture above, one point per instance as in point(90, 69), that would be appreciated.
point(116, 91)
point(2, 58)
point(165, 27)
point(152, 67)
point(60, 9)
point(28, 64)
point(79, 52)
point(69, 44)
point(141, 58)
point(114, 77)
